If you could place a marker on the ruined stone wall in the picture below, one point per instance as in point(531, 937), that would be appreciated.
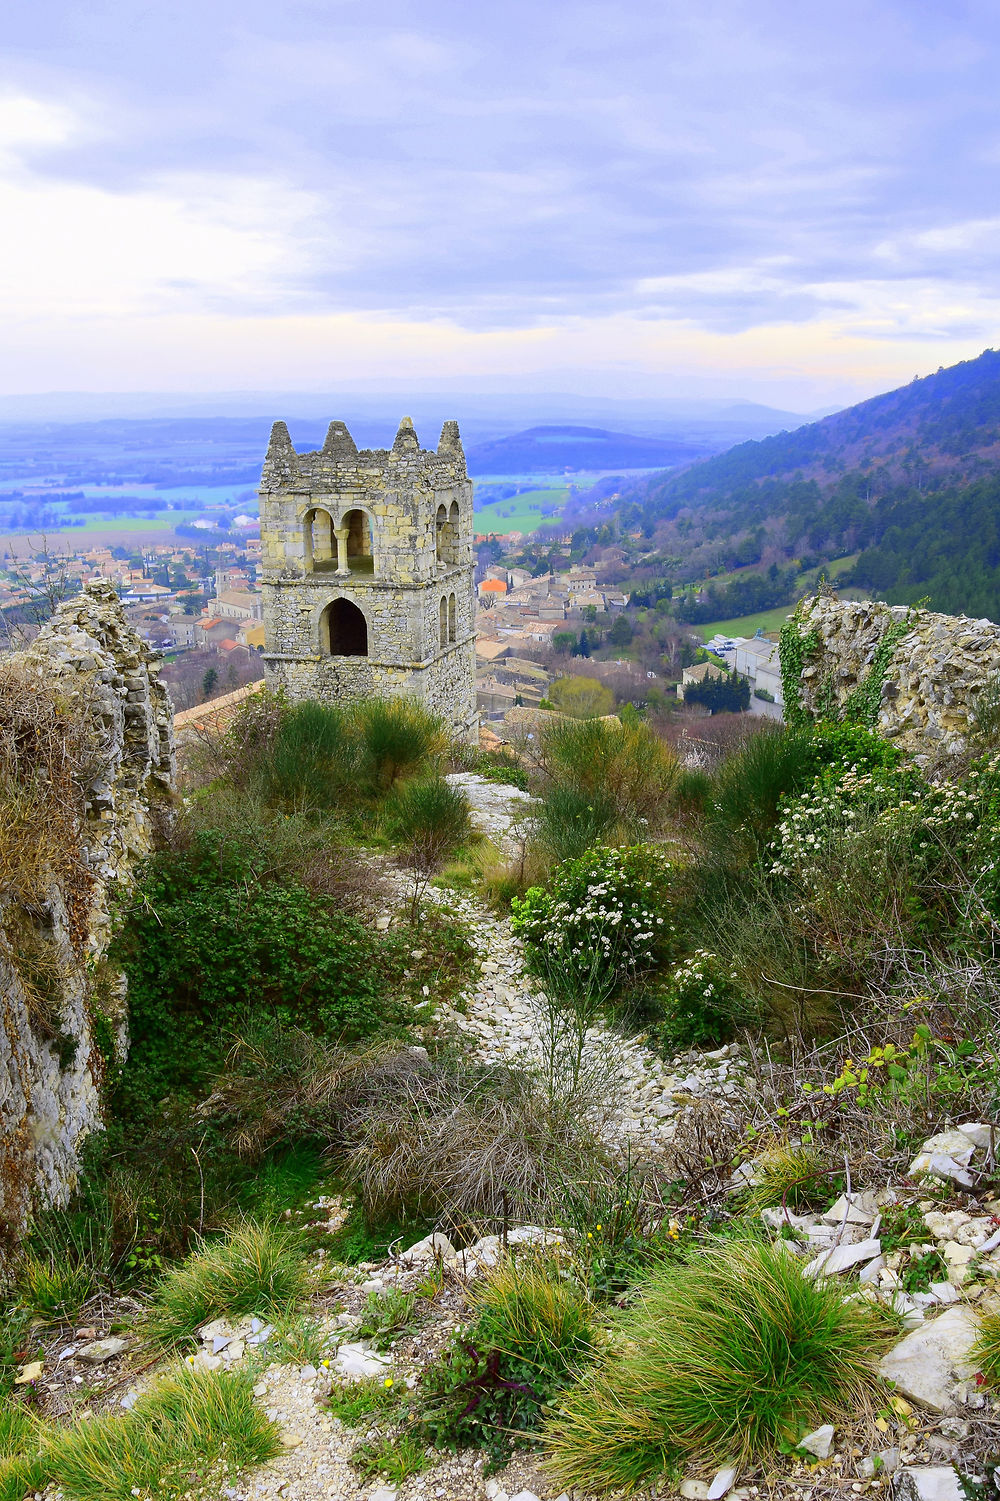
point(401, 493)
point(922, 672)
point(50, 1076)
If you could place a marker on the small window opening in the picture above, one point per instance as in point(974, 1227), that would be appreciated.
point(443, 616)
point(452, 611)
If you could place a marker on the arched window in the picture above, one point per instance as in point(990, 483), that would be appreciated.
point(359, 542)
point(321, 549)
point(441, 535)
point(343, 630)
point(443, 615)
point(452, 607)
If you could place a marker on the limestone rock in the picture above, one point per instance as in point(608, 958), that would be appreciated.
point(926, 1364)
point(100, 668)
point(928, 1483)
point(102, 1350)
point(430, 1248)
point(355, 1362)
point(850, 1211)
point(819, 1442)
point(841, 1258)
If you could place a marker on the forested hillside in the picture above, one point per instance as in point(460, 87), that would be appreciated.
point(911, 480)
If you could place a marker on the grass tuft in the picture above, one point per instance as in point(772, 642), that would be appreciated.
point(255, 1269)
point(725, 1357)
point(394, 1458)
point(53, 1293)
point(192, 1428)
point(986, 1351)
point(357, 1400)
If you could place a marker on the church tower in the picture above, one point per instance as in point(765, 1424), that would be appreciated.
point(367, 571)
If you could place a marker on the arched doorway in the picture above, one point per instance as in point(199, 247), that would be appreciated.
point(343, 630)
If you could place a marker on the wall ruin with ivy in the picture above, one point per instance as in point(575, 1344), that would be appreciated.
point(86, 764)
point(911, 674)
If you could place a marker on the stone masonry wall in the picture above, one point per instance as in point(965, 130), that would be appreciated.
point(402, 492)
point(935, 672)
point(50, 1088)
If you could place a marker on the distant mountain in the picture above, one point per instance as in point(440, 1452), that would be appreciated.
point(910, 479)
point(556, 449)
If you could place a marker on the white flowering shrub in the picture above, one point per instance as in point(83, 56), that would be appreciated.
point(944, 837)
point(602, 922)
point(702, 1003)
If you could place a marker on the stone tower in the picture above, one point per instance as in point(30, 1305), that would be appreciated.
point(367, 571)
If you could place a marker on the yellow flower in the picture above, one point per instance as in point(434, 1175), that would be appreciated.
point(388, 1382)
point(600, 1227)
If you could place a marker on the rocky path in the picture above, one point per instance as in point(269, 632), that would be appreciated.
point(506, 1020)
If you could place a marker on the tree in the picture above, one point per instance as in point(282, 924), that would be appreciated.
point(583, 698)
point(724, 695)
point(209, 682)
point(621, 633)
point(563, 642)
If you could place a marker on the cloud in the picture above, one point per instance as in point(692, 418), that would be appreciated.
point(721, 170)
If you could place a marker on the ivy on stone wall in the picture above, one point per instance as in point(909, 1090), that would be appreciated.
point(862, 705)
point(795, 647)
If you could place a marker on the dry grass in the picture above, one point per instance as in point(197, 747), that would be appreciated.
point(465, 1145)
point(46, 761)
point(469, 1148)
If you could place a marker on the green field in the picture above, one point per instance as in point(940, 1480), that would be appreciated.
point(746, 625)
point(521, 513)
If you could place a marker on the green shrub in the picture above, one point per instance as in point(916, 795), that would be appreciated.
point(747, 790)
point(397, 738)
point(313, 760)
point(625, 763)
point(254, 1269)
point(599, 925)
point(571, 821)
point(727, 1356)
point(701, 1004)
point(429, 819)
point(210, 941)
point(531, 1331)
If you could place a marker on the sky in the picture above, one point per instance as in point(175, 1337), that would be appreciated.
point(780, 200)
